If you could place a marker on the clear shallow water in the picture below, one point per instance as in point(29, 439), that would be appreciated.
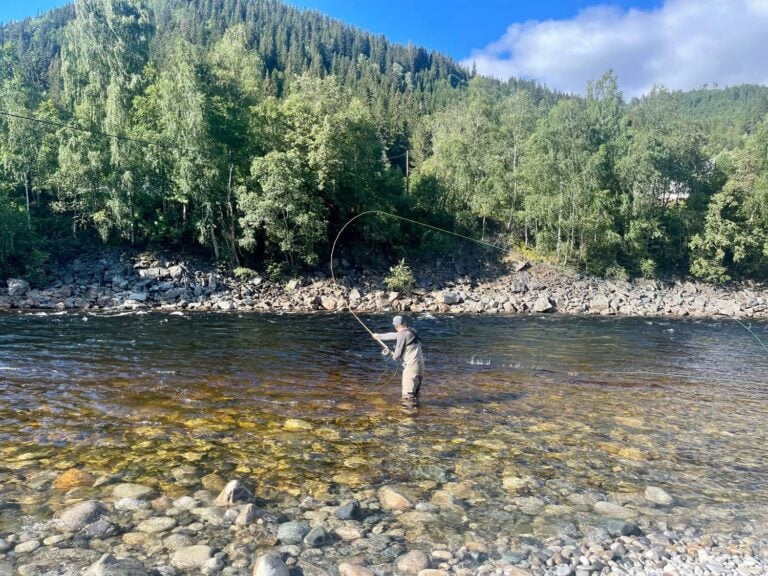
point(579, 409)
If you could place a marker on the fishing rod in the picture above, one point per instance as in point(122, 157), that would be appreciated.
point(385, 348)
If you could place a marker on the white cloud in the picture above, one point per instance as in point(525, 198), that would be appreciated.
point(683, 44)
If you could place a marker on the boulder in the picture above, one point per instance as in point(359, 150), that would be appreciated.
point(521, 265)
point(543, 305)
point(17, 287)
point(449, 298)
point(327, 303)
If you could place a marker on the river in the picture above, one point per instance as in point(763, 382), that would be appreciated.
point(528, 419)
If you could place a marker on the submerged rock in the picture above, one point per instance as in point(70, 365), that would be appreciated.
point(412, 563)
point(233, 493)
point(73, 478)
point(137, 491)
point(108, 565)
point(270, 565)
point(658, 496)
point(77, 517)
point(347, 569)
point(392, 499)
point(348, 511)
point(192, 557)
point(292, 532)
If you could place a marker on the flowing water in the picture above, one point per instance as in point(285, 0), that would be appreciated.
point(528, 419)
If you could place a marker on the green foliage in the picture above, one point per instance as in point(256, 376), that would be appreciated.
point(734, 240)
point(244, 274)
point(400, 278)
point(276, 271)
point(256, 131)
point(616, 272)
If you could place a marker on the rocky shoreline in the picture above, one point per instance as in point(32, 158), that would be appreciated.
point(105, 527)
point(143, 282)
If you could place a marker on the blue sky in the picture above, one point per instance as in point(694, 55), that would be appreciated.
point(680, 44)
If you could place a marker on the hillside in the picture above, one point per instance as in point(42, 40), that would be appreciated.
point(251, 131)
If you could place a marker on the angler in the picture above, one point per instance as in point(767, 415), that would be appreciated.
point(408, 350)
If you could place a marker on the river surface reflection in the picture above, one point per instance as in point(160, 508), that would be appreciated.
point(568, 408)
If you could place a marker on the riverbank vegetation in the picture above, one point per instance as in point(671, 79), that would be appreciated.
point(253, 131)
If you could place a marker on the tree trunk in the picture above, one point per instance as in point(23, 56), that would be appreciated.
point(232, 239)
point(215, 243)
point(26, 192)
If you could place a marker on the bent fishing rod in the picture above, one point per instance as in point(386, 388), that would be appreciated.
point(385, 348)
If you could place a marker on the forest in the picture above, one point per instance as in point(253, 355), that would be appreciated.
point(250, 131)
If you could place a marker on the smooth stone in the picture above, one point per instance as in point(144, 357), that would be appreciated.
point(316, 537)
point(412, 563)
point(349, 533)
point(215, 516)
point(270, 565)
point(530, 505)
point(658, 496)
point(131, 504)
point(292, 532)
point(391, 499)
point(77, 517)
point(347, 569)
point(348, 511)
point(614, 510)
point(156, 525)
point(100, 529)
point(137, 491)
point(515, 571)
point(177, 542)
point(621, 528)
point(185, 503)
point(297, 425)
point(27, 547)
point(108, 565)
point(433, 572)
point(233, 493)
point(73, 478)
point(247, 515)
point(191, 557)
point(213, 482)
point(49, 561)
point(513, 483)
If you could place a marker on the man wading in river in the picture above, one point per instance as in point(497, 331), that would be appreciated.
point(408, 350)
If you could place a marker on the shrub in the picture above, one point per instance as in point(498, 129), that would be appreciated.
point(400, 278)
